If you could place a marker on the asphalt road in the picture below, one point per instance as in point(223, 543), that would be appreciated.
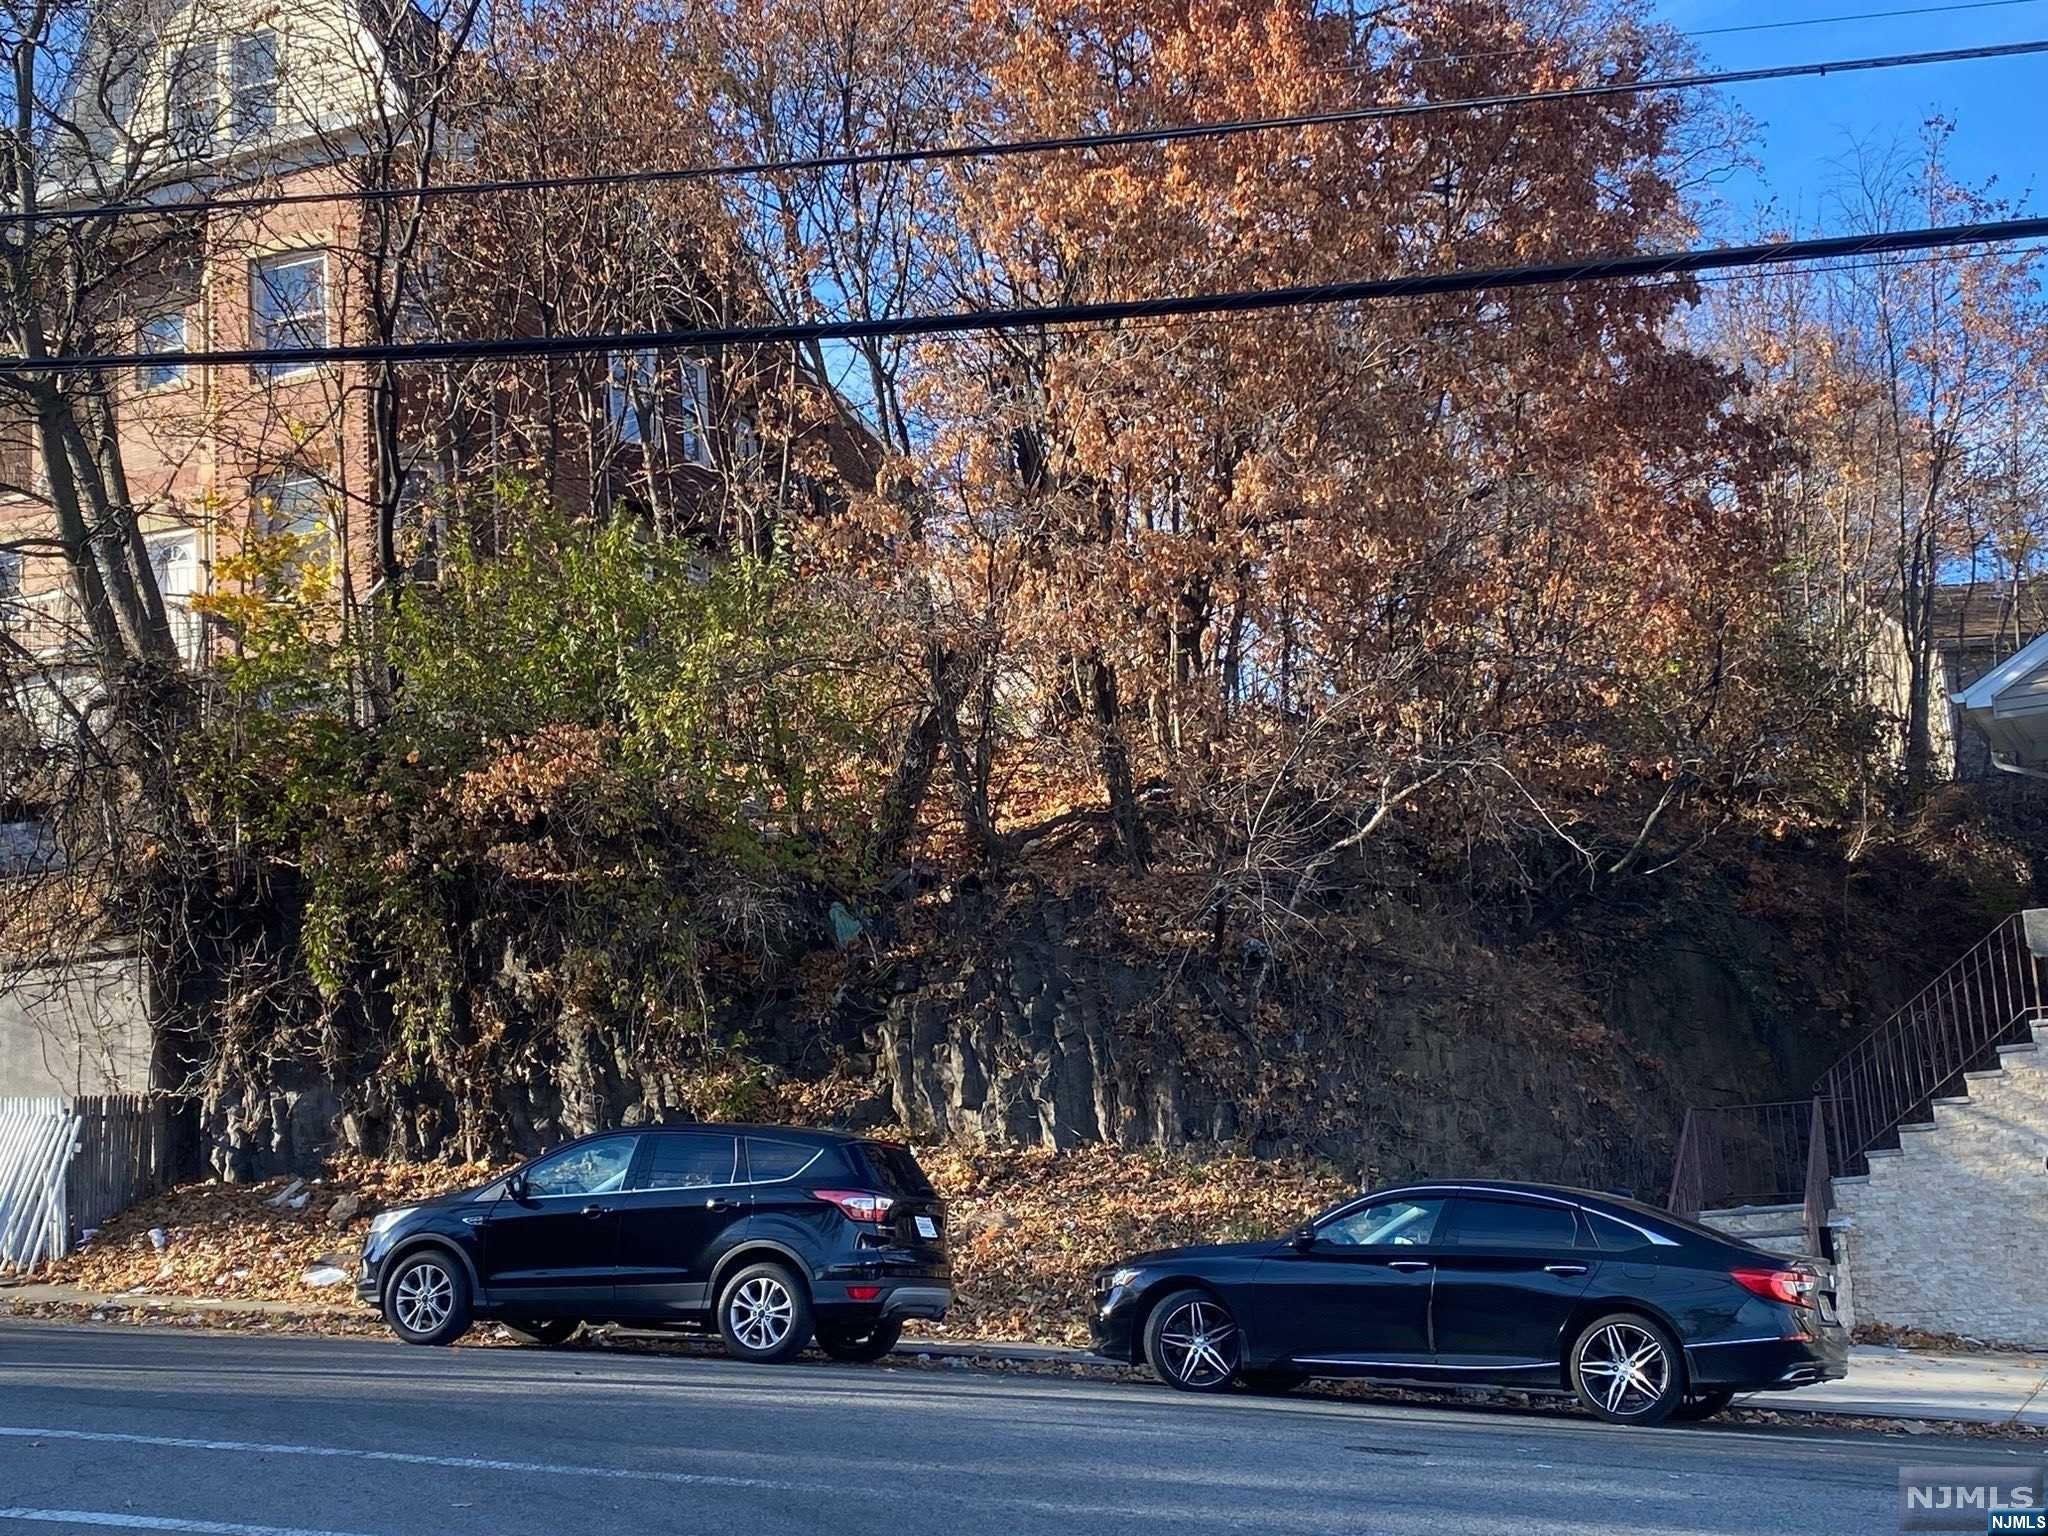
point(249, 1436)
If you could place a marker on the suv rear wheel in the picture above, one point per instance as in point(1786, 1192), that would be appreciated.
point(764, 1315)
point(860, 1346)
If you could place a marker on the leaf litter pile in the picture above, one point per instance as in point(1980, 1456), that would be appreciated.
point(1028, 1228)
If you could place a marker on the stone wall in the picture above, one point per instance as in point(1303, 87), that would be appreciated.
point(1948, 1232)
point(79, 1026)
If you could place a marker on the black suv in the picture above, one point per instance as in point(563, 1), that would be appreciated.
point(770, 1235)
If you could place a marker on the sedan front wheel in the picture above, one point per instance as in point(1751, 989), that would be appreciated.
point(1192, 1342)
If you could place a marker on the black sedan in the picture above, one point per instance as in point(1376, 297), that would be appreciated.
point(769, 1235)
point(1645, 1316)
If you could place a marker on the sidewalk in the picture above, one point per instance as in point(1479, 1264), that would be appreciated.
point(1883, 1382)
point(1914, 1384)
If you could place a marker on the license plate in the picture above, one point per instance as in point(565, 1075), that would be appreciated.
point(926, 1227)
point(1827, 1308)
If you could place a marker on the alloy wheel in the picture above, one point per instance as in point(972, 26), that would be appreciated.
point(424, 1298)
point(1198, 1344)
point(761, 1312)
point(1626, 1369)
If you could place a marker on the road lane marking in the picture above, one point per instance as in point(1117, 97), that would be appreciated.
point(407, 1458)
point(154, 1523)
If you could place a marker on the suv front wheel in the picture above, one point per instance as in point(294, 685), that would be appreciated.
point(764, 1315)
point(426, 1301)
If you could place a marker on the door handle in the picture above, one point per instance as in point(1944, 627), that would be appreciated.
point(595, 1211)
point(716, 1204)
point(1407, 1263)
point(1564, 1269)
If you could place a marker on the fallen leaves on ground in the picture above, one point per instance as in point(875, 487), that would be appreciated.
point(231, 1240)
point(1029, 1227)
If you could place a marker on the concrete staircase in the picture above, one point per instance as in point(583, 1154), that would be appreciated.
point(1948, 1232)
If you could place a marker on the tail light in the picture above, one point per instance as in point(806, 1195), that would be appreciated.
point(1794, 1287)
point(858, 1204)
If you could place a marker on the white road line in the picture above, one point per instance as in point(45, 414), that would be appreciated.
point(154, 1523)
point(408, 1458)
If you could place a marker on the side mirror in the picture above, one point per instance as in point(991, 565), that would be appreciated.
point(515, 1186)
point(1304, 1238)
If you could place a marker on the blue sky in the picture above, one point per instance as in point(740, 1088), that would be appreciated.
point(1808, 128)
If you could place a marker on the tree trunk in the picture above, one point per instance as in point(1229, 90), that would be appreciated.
point(1113, 759)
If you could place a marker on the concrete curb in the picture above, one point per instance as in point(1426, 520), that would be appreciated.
point(1001, 1351)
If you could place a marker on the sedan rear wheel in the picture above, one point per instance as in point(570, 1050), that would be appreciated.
point(1701, 1405)
point(1626, 1370)
point(1192, 1342)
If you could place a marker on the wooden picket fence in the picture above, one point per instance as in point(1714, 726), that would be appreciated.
point(67, 1165)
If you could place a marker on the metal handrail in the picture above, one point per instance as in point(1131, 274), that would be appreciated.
point(1788, 1151)
point(1743, 1154)
point(1988, 998)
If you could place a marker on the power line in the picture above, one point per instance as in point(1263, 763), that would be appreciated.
point(984, 151)
point(1372, 290)
point(1825, 21)
point(1816, 268)
point(1729, 31)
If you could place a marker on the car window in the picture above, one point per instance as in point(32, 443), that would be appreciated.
point(689, 1162)
point(1514, 1224)
point(894, 1169)
point(1385, 1224)
point(594, 1168)
point(768, 1160)
point(1616, 1236)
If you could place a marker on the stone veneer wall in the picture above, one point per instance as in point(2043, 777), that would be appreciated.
point(1950, 1233)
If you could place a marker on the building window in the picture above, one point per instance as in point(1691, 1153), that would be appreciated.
point(19, 462)
point(174, 561)
point(630, 397)
point(292, 506)
point(253, 71)
point(696, 413)
point(288, 307)
point(193, 96)
point(420, 527)
point(14, 612)
point(162, 333)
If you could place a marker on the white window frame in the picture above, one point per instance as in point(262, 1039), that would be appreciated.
point(187, 627)
point(192, 98)
point(155, 376)
point(695, 437)
point(632, 396)
point(254, 101)
point(265, 332)
point(14, 609)
point(313, 528)
point(633, 403)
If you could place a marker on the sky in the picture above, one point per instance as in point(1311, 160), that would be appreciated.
point(1808, 130)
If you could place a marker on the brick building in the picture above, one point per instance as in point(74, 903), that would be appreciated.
point(278, 107)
